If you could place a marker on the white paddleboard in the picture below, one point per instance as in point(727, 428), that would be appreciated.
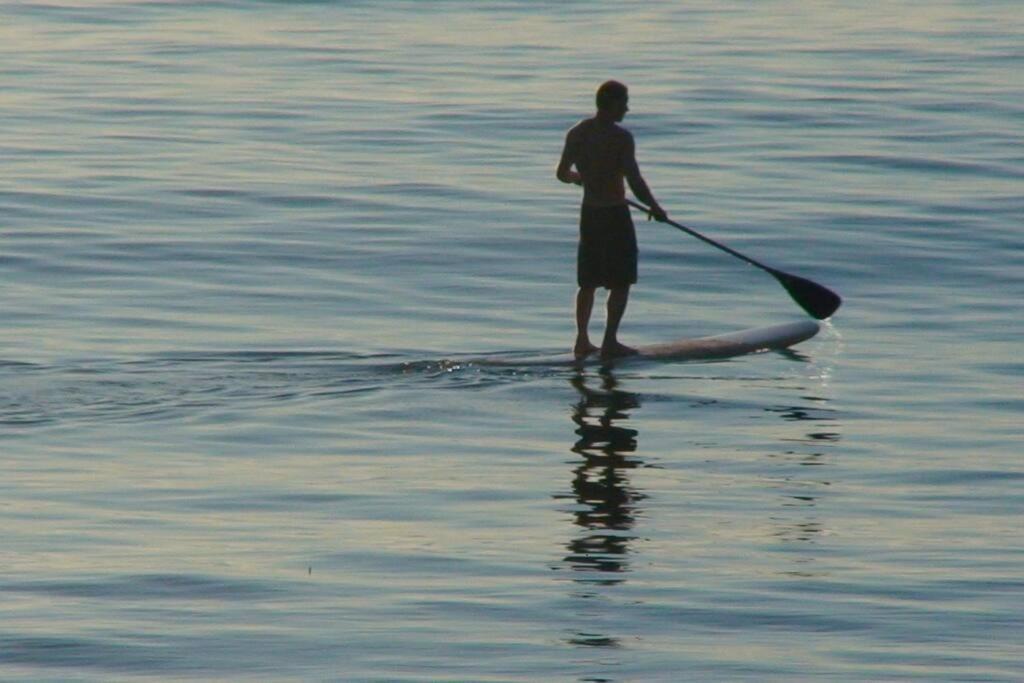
point(727, 345)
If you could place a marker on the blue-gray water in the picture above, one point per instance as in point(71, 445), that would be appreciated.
point(240, 240)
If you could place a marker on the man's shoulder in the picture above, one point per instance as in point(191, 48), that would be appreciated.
point(618, 136)
point(592, 124)
point(581, 126)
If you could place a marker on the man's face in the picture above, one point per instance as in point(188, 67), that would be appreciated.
point(620, 107)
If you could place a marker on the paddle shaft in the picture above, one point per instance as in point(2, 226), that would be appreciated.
point(691, 231)
point(820, 302)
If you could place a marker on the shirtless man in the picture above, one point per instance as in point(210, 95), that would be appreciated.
point(603, 154)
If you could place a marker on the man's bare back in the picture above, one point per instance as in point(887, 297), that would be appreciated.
point(603, 153)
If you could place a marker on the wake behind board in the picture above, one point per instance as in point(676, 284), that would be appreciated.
point(727, 345)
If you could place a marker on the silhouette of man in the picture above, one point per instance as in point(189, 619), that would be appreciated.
point(599, 154)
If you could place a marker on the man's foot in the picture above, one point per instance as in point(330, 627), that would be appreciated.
point(583, 349)
point(616, 350)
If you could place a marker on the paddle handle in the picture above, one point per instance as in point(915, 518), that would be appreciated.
point(719, 245)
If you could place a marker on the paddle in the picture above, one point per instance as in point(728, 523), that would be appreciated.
point(820, 302)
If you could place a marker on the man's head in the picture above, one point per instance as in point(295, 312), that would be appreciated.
point(613, 100)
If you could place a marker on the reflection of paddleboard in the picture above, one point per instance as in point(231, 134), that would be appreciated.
point(702, 348)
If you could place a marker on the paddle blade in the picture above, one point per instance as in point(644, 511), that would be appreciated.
point(820, 302)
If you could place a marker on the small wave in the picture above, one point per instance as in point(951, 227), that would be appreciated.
point(157, 586)
point(907, 164)
point(181, 384)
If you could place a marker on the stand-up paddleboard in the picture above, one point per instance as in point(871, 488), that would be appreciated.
point(719, 346)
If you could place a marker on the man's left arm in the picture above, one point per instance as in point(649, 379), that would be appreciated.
point(637, 183)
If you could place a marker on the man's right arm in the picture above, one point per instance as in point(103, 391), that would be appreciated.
point(570, 152)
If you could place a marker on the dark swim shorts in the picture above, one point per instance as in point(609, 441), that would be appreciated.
point(607, 253)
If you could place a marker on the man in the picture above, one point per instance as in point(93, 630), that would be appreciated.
point(603, 154)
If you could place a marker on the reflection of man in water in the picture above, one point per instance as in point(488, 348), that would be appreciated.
point(603, 153)
point(606, 502)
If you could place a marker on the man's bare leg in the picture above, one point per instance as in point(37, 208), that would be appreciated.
point(584, 305)
point(618, 297)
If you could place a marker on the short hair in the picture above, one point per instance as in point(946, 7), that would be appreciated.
point(609, 92)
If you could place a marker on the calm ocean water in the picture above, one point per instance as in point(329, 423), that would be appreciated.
point(245, 244)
